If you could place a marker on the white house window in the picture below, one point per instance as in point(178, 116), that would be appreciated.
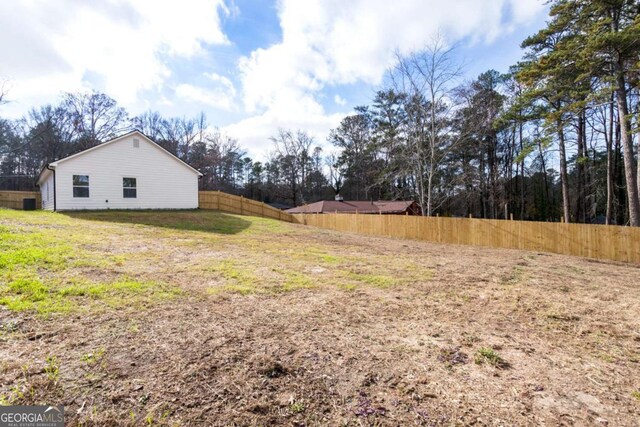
point(129, 188)
point(80, 185)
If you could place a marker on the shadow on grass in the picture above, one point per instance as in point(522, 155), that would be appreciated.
point(194, 220)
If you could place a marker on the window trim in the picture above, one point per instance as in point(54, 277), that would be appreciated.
point(74, 186)
point(130, 188)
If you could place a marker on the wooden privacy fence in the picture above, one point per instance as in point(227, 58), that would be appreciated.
point(13, 199)
point(217, 200)
point(586, 240)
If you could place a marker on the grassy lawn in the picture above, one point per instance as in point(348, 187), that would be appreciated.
point(206, 318)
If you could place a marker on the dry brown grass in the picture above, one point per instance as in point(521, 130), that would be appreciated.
point(278, 324)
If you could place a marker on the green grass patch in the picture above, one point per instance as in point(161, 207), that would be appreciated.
point(57, 262)
point(294, 280)
point(30, 294)
point(93, 357)
point(297, 407)
point(235, 289)
point(330, 259)
point(487, 355)
point(396, 272)
point(233, 272)
point(238, 279)
point(44, 258)
point(52, 368)
point(23, 247)
point(349, 287)
point(312, 254)
point(241, 280)
point(377, 280)
point(30, 289)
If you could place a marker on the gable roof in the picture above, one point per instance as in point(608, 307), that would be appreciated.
point(363, 207)
point(111, 141)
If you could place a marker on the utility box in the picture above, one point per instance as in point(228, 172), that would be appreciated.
point(28, 204)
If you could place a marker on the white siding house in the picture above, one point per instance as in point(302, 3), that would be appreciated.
point(128, 172)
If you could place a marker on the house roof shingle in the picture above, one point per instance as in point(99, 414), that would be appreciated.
point(363, 207)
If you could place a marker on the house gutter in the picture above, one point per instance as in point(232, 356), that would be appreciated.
point(54, 186)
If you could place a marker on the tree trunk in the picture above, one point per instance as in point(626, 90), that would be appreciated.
point(483, 187)
point(543, 170)
point(638, 164)
point(580, 202)
point(627, 149)
point(491, 159)
point(621, 207)
point(429, 190)
point(522, 185)
point(610, 189)
point(625, 132)
point(590, 201)
point(564, 179)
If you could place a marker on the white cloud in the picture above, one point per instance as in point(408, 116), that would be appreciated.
point(337, 42)
point(221, 96)
point(339, 100)
point(254, 132)
point(333, 42)
point(524, 11)
point(127, 48)
point(49, 47)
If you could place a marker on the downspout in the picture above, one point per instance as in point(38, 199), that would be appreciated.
point(199, 178)
point(54, 186)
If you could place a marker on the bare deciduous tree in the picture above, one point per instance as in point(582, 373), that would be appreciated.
point(95, 117)
point(293, 153)
point(428, 77)
point(3, 92)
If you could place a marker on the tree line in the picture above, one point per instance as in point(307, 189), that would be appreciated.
point(293, 173)
point(555, 138)
point(551, 140)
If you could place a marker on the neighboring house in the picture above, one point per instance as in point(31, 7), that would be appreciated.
point(128, 172)
point(380, 207)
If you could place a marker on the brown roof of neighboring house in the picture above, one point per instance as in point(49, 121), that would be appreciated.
point(364, 207)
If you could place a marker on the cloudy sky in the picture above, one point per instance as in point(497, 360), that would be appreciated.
point(251, 66)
